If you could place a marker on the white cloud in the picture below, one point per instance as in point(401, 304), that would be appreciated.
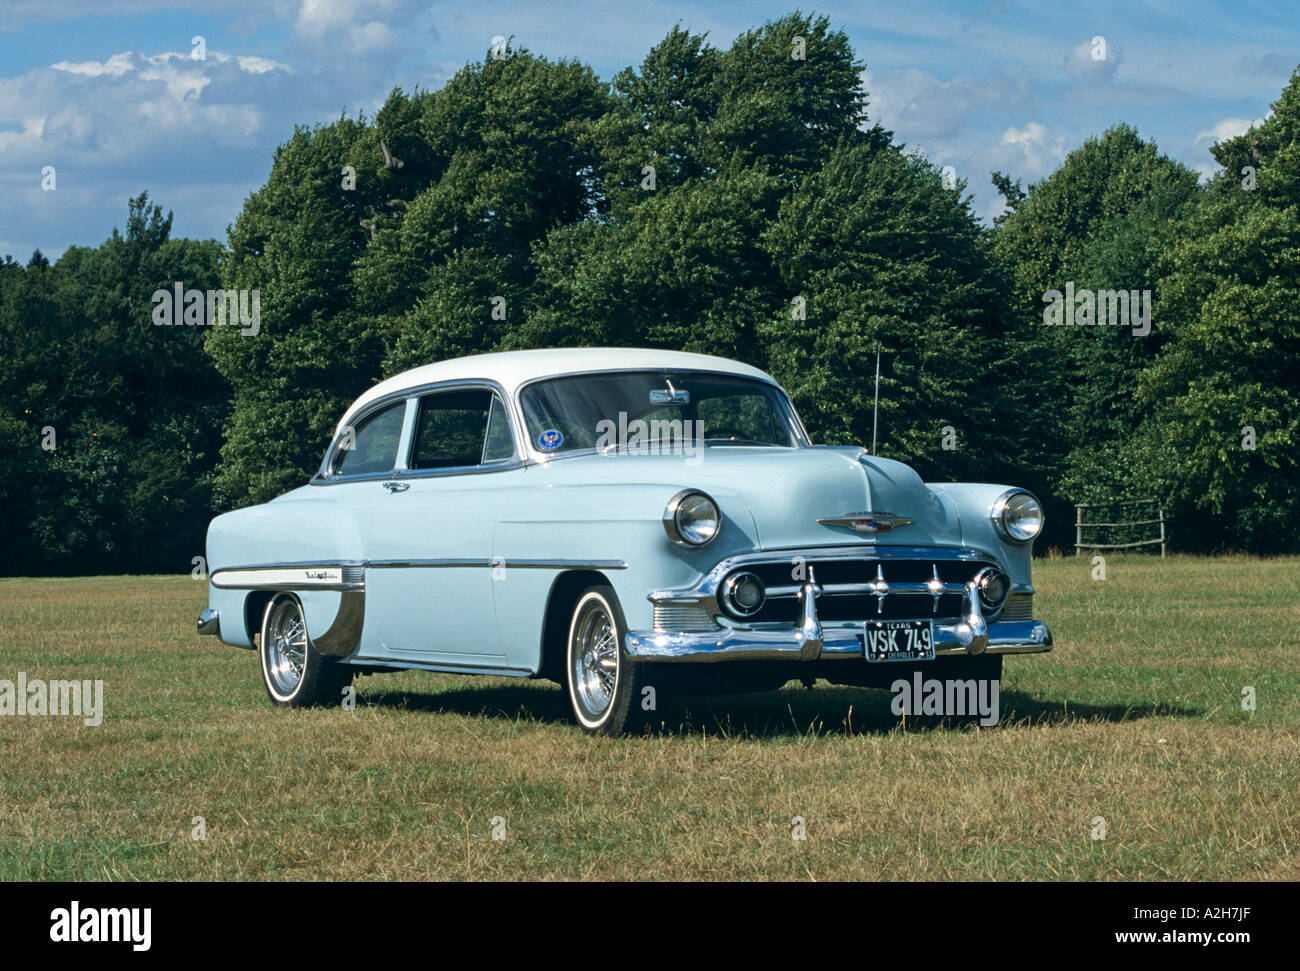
point(1227, 128)
point(122, 113)
point(360, 27)
point(191, 132)
point(917, 104)
point(115, 66)
point(1031, 152)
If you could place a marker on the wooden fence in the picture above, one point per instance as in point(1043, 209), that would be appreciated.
point(1080, 525)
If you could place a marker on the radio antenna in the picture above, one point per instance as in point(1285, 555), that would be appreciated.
point(875, 408)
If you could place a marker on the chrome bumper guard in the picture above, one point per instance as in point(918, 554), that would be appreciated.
point(810, 640)
point(210, 622)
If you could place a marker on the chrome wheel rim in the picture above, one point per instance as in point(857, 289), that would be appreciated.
point(286, 647)
point(594, 660)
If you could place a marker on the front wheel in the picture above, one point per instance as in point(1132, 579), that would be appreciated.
point(603, 682)
point(296, 675)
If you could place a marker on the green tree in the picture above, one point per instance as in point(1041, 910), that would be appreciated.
point(1101, 222)
point(132, 410)
point(872, 250)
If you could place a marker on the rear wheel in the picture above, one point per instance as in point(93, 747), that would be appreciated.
point(295, 674)
point(602, 681)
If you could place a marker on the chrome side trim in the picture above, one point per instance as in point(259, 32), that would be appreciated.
point(210, 622)
point(500, 561)
point(347, 574)
point(344, 635)
point(314, 576)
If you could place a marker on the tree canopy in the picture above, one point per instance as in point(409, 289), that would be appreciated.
point(733, 200)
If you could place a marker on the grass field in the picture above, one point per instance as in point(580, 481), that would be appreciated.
point(1135, 717)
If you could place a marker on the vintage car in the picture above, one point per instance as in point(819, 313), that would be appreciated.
point(633, 524)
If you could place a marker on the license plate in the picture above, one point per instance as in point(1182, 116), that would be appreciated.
point(899, 640)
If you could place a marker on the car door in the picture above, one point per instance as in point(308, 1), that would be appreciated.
point(430, 529)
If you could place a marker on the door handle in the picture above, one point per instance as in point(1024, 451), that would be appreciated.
point(397, 486)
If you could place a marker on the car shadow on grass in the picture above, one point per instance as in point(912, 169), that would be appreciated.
point(790, 712)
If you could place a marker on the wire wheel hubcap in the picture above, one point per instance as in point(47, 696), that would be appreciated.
point(286, 647)
point(595, 660)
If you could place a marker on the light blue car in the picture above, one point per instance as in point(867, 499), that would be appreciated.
point(632, 524)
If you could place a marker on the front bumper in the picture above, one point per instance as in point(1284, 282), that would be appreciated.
point(839, 641)
point(808, 639)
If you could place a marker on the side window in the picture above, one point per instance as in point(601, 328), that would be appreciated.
point(500, 445)
point(459, 429)
point(373, 445)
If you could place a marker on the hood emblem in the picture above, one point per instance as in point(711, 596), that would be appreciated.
point(869, 522)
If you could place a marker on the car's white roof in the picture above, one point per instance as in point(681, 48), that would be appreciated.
point(513, 368)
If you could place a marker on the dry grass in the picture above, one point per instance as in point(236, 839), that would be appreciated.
point(1135, 717)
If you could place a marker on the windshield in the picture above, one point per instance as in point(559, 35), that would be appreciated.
point(656, 411)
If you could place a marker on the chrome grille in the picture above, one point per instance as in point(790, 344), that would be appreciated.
point(354, 574)
point(1020, 606)
point(680, 618)
point(869, 588)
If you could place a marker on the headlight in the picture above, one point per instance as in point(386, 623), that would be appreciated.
point(1017, 516)
point(692, 518)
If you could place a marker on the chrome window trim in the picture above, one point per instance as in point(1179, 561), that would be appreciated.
point(325, 472)
point(408, 434)
point(542, 458)
point(412, 396)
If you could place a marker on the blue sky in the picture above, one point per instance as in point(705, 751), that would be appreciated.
point(109, 94)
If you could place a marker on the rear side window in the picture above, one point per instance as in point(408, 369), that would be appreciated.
point(371, 447)
point(461, 429)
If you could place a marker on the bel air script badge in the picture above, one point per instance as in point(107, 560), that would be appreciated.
point(869, 522)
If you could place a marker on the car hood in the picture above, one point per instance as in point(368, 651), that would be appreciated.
point(785, 491)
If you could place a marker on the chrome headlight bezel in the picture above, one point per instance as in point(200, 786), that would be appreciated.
point(1004, 508)
point(682, 506)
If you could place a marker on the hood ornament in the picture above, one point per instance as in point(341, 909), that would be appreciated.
point(868, 522)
